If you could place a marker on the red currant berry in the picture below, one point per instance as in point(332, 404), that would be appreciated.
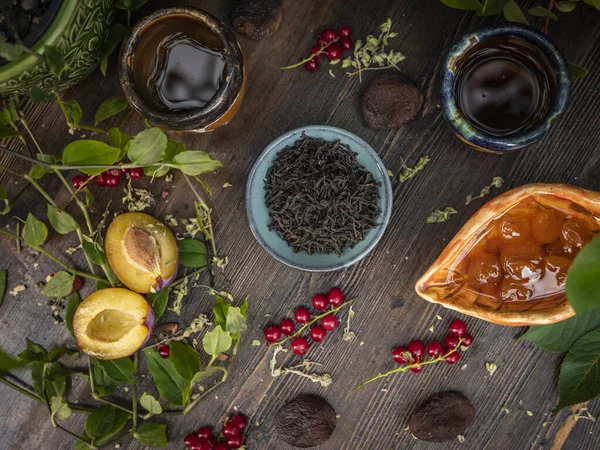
point(191, 440)
point(115, 172)
point(112, 180)
point(221, 446)
point(345, 31)
point(206, 445)
point(312, 65)
point(346, 44)
point(272, 333)
point(302, 315)
point(458, 327)
point(77, 282)
point(230, 430)
point(335, 297)
point(452, 358)
point(330, 322)
point(451, 341)
point(136, 174)
point(334, 52)
point(400, 355)
point(435, 349)
point(235, 442)
point(416, 349)
point(239, 420)
point(299, 345)
point(328, 36)
point(319, 302)
point(287, 326)
point(164, 351)
point(204, 433)
point(416, 369)
point(101, 179)
point(317, 50)
point(317, 333)
point(78, 181)
point(467, 340)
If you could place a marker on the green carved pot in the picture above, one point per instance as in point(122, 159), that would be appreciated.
point(78, 30)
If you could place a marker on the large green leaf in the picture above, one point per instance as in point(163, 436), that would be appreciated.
point(468, 5)
point(172, 387)
point(61, 221)
point(3, 275)
point(158, 301)
point(6, 132)
point(559, 337)
point(8, 363)
point(35, 232)
point(60, 285)
point(216, 342)
point(195, 162)
point(55, 59)
point(103, 384)
point(118, 139)
point(120, 370)
point(147, 147)
point(90, 152)
point(579, 379)
point(513, 13)
point(94, 251)
point(152, 434)
point(115, 35)
point(192, 253)
point(73, 303)
point(184, 359)
point(583, 278)
point(101, 421)
point(236, 323)
point(33, 353)
point(56, 381)
point(110, 107)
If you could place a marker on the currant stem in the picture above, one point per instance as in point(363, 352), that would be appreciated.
point(311, 322)
point(314, 55)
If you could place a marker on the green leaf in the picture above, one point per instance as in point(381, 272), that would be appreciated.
point(55, 59)
point(158, 301)
point(583, 278)
point(59, 286)
point(184, 359)
point(35, 232)
point(174, 148)
point(9, 51)
point(74, 111)
point(579, 379)
point(8, 363)
point(118, 139)
point(115, 36)
point(220, 309)
point(94, 252)
point(6, 132)
point(4, 199)
point(594, 3)
point(103, 383)
point(236, 323)
point(513, 13)
point(33, 353)
point(110, 107)
point(194, 162)
point(86, 152)
point(576, 72)
point(3, 275)
point(540, 11)
point(566, 6)
point(120, 370)
point(37, 171)
point(152, 434)
point(100, 421)
point(123, 4)
point(493, 8)
point(61, 221)
point(39, 95)
point(57, 353)
point(216, 342)
point(73, 302)
point(172, 387)
point(468, 5)
point(56, 381)
point(150, 404)
point(192, 253)
point(59, 409)
point(121, 418)
point(147, 147)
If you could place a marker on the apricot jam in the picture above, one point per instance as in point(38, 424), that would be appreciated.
point(519, 261)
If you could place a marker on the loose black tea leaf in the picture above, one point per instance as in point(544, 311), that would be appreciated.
point(320, 198)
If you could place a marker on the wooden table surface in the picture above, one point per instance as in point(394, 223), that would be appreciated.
point(388, 312)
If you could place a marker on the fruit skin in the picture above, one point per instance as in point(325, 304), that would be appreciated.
point(319, 302)
point(272, 334)
point(128, 250)
point(345, 31)
point(101, 179)
point(302, 315)
point(78, 181)
point(317, 50)
point(458, 327)
point(416, 369)
point(240, 421)
point(77, 282)
point(451, 341)
point(221, 446)
point(330, 322)
point(164, 351)
point(435, 349)
point(312, 65)
point(318, 333)
point(136, 174)
point(299, 345)
point(346, 44)
point(235, 442)
point(399, 355)
point(328, 36)
point(334, 52)
point(287, 326)
point(229, 430)
point(204, 433)
point(94, 316)
point(467, 340)
point(453, 358)
point(335, 297)
point(112, 180)
point(416, 349)
point(191, 440)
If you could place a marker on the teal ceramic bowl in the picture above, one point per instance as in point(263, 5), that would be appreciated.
point(258, 213)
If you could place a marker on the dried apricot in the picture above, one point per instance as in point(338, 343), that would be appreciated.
point(546, 226)
point(558, 267)
point(575, 233)
point(515, 229)
point(522, 261)
point(485, 269)
point(515, 292)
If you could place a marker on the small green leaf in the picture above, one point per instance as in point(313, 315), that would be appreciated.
point(100, 421)
point(583, 278)
point(184, 359)
point(121, 418)
point(6, 132)
point(110, 107)
point(8, 363)
point(236, 323)
point(57, 353)
point(152, 434)
point(171, 386)
point(158, 301)
point(194, 162)
point(174, 148)
point(3, 274)
point(55, 59)
point(150, 404)
point(9, 51)
point(118, 139)
point(39, 95)
point(576, 72)
point(89, 152)
point(216, 342)
point(59, 286)
point(115, 36)
point(540, 11)
point(4, 199)
point(74, 110)
point(92, 250)
point(513, 13)
point(147, 147)
point(61, 221)
point(192, 253)
point(59, 409)
point(35, 232)
point(73, 302)
point(120, 370)
point(594, 3)
point(565, 6)
point(103, 383)
point(37, 171)
point(33, 353)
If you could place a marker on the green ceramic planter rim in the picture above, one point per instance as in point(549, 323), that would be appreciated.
point(63, 18)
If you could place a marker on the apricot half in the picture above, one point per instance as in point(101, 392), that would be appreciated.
point(142, 252)
point(113, 323)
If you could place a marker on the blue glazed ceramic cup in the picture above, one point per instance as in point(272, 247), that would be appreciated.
point(260, 220)
point(478, 138)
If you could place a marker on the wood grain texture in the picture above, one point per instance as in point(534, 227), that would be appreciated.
point(388, 312)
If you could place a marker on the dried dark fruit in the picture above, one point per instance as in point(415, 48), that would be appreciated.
point(390, 101)
point(442, 417)
point(306, 421)
point(256, 19)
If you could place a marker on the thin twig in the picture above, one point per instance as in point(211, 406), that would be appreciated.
point(546, 25)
